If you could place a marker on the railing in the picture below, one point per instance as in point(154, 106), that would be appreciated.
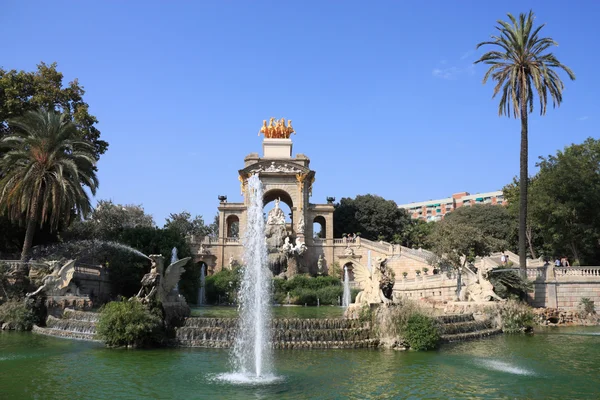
point(319, 242)
point(425, 255)
point(339, 241)
point(535, 273)
point(577, 271)
point(232, 240)
point(383, 246)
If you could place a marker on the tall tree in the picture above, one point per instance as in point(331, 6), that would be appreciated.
point(521, 66)
point(373, 216)
point(565, 197)
point(45, 169)
point(184, 225)
point(22, 91)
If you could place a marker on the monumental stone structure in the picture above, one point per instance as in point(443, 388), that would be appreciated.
point(288, 179)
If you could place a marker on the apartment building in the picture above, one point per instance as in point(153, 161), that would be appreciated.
point(434, 210)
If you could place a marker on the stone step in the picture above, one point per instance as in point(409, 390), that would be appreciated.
point(81, 315)
point(464, 327)
point(289, 335)
point(461, 337)
point(71, 325)
point(64, 334)
point(454, 318)
point(278, 323)
point(367, 343)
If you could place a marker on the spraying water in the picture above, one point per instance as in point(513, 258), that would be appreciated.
point(175, 258)
point(251, 349)
point(346, 295)
point(369, 261)
point(201, 292)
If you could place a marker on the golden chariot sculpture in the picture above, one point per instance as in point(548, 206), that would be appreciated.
point(277, 129)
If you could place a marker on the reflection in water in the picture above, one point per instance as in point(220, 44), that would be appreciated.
point(547, 365)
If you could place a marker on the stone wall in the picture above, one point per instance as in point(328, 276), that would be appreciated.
point(432, 287)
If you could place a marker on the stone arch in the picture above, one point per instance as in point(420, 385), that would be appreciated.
point(233, 226)
point(277, 193)
point(322, 227)
point(350, 265)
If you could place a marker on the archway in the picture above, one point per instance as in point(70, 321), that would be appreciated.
point(285, 203)
point(350, 267)
point(233, 226)
point(319, 227)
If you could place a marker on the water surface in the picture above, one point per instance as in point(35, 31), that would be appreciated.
point(558, 363)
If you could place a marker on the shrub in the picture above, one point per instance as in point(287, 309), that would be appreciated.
point(218, 285)
point(421, 332)
point(587, 305)
point(18, 314)
point(516, 317)
point(129, 323)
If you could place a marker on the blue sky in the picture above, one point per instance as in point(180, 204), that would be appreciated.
point(383, 95)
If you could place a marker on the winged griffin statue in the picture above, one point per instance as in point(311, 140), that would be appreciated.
point(479, 288)
point(57, 282)
point(158, 283)
point(377, 283)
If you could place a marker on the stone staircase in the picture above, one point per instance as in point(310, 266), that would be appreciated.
point(462, 327)
point(294, 333)
point(73, 325)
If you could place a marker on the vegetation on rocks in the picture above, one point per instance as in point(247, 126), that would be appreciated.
point(17, 315)
point(130, 324)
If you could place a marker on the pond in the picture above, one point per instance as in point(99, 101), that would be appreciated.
point(557, 363)
point(278, 312)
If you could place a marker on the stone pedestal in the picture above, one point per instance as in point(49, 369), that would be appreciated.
point(277, 148)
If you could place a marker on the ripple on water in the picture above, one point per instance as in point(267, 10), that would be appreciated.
point(239, 378)
point(497, 365)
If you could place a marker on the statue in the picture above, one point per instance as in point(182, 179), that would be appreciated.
point(276, 129)
point(300, 247)
point(287, 246)
point(158, 283)
point(377, 284)
point(320, 265)
point(232, 262)
point(481, 289)
point(301, 225)
point(276, 215)
point(57, 282)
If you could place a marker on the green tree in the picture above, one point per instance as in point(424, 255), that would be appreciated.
point(456, 243)
point(533, 232)
point(565, 199)
point(46, 167)
point(521, 66)
point(416, 234)
point(22, 91)
point(492, 220)
point(373, 216)
point(108, 221)
point(184, 225)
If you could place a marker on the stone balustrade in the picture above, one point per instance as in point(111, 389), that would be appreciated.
point(232, 240)
point(576, 271)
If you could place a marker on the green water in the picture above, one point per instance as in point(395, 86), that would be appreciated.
point(278, 312)
point(552, 364)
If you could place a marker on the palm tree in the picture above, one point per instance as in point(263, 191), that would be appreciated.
point(45, 167)
point(520, 65)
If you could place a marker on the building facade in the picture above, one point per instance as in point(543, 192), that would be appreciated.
point(434, 210)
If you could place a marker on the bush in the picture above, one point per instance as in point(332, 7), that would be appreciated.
point(217, 286)
point(19, 315)
point(129, 323)
point(305, 290)
point(587, 306)
point(516, 317)
point(421, 332)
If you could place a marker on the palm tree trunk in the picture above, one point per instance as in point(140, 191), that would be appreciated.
point(523, 184)
point(31, 222)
